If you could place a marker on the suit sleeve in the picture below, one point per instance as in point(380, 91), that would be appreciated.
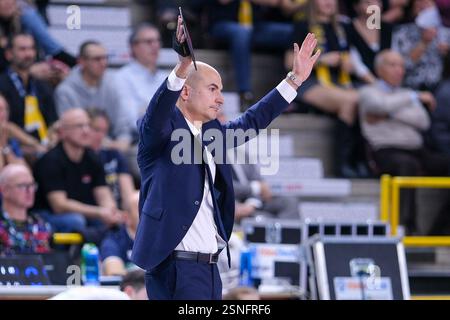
point(154, 128)
point(256, 118)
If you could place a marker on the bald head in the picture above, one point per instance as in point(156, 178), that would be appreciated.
point(74, 128)
point(384, 56)
point(67, 118)
point(202, 72)
point(9, 172)
point(17, 187)
point(389, 66)
point(201, 97)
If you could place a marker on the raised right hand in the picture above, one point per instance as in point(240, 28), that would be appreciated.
point(181, 38)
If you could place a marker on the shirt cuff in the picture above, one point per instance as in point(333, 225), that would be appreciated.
point(415, 97)
point(286, 91)
point(256, 188)
point(174, 83)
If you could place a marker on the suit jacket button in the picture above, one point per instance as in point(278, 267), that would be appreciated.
point(185, 228)
point(197, 203)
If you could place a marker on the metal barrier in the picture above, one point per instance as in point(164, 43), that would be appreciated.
point(390, 206)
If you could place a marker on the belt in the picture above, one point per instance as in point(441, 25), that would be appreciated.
point(209, 258)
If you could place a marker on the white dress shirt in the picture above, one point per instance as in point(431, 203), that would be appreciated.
point(202, 235)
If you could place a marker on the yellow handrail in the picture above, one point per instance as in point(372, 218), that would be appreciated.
point(67, 238)
point(395, 205)
point(390, 206)
point(385, 197)
point(427, 241)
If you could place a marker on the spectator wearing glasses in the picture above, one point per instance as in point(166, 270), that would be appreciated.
point(73, 195)
point(18, 16)
point(20, 230)
point(91, 85)
point(139, 79)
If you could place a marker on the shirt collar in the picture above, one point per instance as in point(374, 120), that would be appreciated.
point(197, 133)
point(386, 86)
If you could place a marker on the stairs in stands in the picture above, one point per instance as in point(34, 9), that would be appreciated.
point(429, 272)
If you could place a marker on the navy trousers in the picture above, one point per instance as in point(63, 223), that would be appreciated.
point(176, 279)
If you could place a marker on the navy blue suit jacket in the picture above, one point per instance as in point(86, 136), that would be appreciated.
point(171, 194)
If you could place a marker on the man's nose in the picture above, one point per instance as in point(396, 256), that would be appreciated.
point(220, 98)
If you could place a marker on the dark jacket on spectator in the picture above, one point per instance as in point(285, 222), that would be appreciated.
point(17, 103)
point(440, 126)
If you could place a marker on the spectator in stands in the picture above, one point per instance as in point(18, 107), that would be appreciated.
point(30, 100)
point(419, 44)
point(73, 193)
point(115, 250)
point(393, 11)
point(239, 25)
point(117, 175)
point(393, 120)
point(253, 194)
point(440, 125)
point(41, 7)
point(10, 151)
point(366, 41)
point(230, 275)
point(166, 13)
point(20, 230)
point(133, 284)
point(294, 8)
point(444, 10)
point(243, 210)
point(330, 88)
point(91, 85)
point(18, 17)
point(139, 79)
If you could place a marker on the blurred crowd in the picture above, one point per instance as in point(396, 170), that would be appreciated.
point(68, 123)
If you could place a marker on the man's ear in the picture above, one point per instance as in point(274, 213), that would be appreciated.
point(185, 92)
point(8, 55)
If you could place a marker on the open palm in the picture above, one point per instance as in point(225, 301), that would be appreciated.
point(304, 59)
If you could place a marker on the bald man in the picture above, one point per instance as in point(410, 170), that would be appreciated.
point(17, 187)
point(72, 192)
point(187, 207)
point(393, 121)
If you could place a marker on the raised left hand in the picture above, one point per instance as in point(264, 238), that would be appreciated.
point(304, 60)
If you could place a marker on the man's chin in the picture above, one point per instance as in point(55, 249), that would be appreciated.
point(25, 65)
point(213, 116)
